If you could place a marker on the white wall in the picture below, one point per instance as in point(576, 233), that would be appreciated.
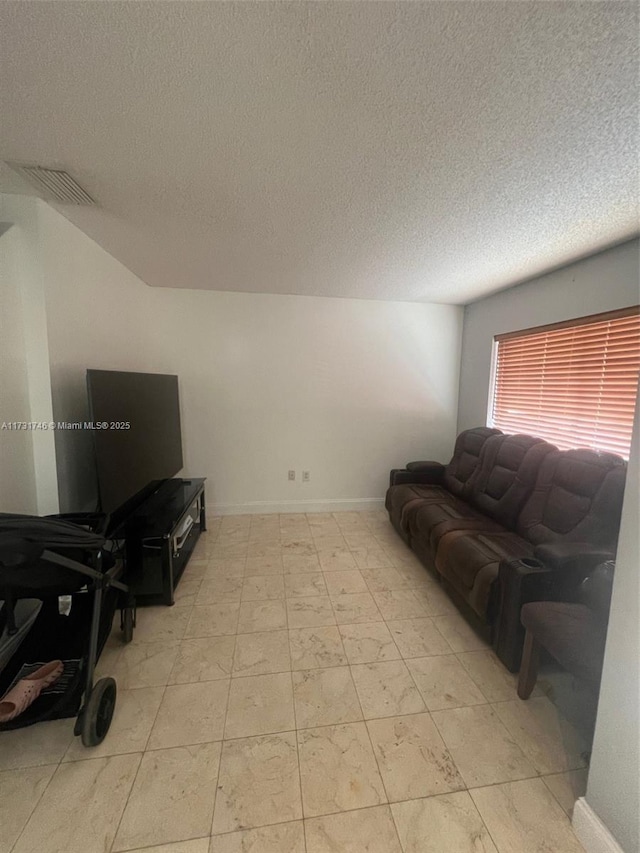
point(613, 790)
point(343, 388)
point(17, 475)
point(27, 459)
point(602, 282)
point(98, 316)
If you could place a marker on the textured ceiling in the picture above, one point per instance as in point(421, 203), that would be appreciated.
point(432, 151)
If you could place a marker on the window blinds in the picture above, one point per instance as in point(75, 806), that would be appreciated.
point(573, 384)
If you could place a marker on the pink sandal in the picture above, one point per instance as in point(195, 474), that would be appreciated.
point(27, 690)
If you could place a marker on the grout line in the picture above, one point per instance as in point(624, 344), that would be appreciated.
point(144, 750)
point(494, 840)
point(397, 828)
point(234, 832)
point(115, 834)
point(39, 799)
point(171, 843)
point(224, 728)
point(295, 722)
point(366, 727)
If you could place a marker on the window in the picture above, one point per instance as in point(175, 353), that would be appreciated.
point(573, 384)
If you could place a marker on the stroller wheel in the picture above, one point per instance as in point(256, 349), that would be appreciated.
point(98, 711)
point(128, 623)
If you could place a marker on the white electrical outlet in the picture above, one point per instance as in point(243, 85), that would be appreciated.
point(292, 475)
point(306, 476)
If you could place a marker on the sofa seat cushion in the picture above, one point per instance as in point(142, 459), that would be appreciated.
point(463, 554)
point(470, 562)
point(403, 501)
point(572, 633)
point(431, 521)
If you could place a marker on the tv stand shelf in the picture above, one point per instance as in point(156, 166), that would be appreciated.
point(160, 536)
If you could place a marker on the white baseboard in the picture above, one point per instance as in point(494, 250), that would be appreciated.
point(591, 831)
point(264, 507)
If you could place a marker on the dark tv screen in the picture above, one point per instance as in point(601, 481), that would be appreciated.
point(136, 430)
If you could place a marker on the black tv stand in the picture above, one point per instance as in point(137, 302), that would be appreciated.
point(160, 536)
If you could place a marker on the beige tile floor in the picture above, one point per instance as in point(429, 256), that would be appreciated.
point(312, 691)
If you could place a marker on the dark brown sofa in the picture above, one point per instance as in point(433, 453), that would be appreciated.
point(510, 519)
point(434, 482)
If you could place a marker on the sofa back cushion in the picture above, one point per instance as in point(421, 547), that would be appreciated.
point(464, 461)
point(578, 497)
point(506, 475)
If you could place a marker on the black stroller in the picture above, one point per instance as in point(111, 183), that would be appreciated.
point(59, 589)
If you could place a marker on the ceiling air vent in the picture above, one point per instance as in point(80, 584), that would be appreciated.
point(54, 184)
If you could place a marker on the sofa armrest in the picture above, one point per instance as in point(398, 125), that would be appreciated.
point(518, 582)
point(402, 476)
point(570, 563)
point(596, 589)
point(573, 557)
point(526, 578)
point(433, 469)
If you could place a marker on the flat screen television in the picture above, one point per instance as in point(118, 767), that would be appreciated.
point(136, 431)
